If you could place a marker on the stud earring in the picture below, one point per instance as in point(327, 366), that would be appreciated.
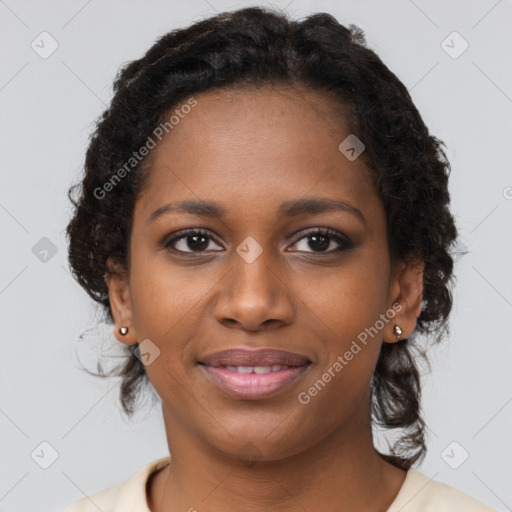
point(398, 331)
point(123, 331)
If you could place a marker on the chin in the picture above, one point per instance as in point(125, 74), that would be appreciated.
point(254, 444)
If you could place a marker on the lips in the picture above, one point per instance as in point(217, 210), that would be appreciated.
point(261, 357)
point(253, 374)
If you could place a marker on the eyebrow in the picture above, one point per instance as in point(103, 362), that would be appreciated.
point(292, 208)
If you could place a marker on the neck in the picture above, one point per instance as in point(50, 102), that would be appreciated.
point(338, 471)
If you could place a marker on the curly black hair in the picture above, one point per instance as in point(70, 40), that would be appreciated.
point(262, 47)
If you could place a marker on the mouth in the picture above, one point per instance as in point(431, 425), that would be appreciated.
point(253, 374)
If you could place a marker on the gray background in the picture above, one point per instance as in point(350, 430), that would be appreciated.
point(48, 107)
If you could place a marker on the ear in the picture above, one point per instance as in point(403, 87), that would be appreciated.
point(406, 297)
point(120, 302)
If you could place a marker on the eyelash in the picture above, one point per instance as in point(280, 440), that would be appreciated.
point(342, 240)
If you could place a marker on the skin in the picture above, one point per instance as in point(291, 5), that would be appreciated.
point(251, 151)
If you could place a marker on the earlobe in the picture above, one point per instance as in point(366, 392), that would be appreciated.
point(120, 305)
point(407, 292)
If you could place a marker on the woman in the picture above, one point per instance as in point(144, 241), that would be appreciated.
point(265, 218)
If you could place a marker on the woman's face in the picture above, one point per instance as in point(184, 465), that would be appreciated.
point(257, 276)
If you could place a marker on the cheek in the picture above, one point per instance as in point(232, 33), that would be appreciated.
point(168, 309)
point(164, 298)
point(164, 309)
point(347, 306)
point(348, 299)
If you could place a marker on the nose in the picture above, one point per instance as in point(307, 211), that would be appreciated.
point(254, 295)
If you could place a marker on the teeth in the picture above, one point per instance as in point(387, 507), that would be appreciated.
point(262, 369)
point(245, 369)
point(255, 369)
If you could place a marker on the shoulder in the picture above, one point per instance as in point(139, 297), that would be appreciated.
point(419, 493)
point(122, 497)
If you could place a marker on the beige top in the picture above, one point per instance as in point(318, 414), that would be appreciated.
point(417, 494)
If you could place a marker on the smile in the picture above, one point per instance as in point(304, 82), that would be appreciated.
point(253, 382)
point(253, 374)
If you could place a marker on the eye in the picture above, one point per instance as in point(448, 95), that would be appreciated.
point(197, 240)
point(192, 241)
point(320, 239)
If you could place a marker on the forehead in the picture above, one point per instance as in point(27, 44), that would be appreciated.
point(256, 145)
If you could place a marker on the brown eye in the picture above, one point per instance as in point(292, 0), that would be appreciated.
point(320, 240)
point(190, 241)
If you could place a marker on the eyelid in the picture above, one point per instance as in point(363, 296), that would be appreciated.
point(320, 230)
